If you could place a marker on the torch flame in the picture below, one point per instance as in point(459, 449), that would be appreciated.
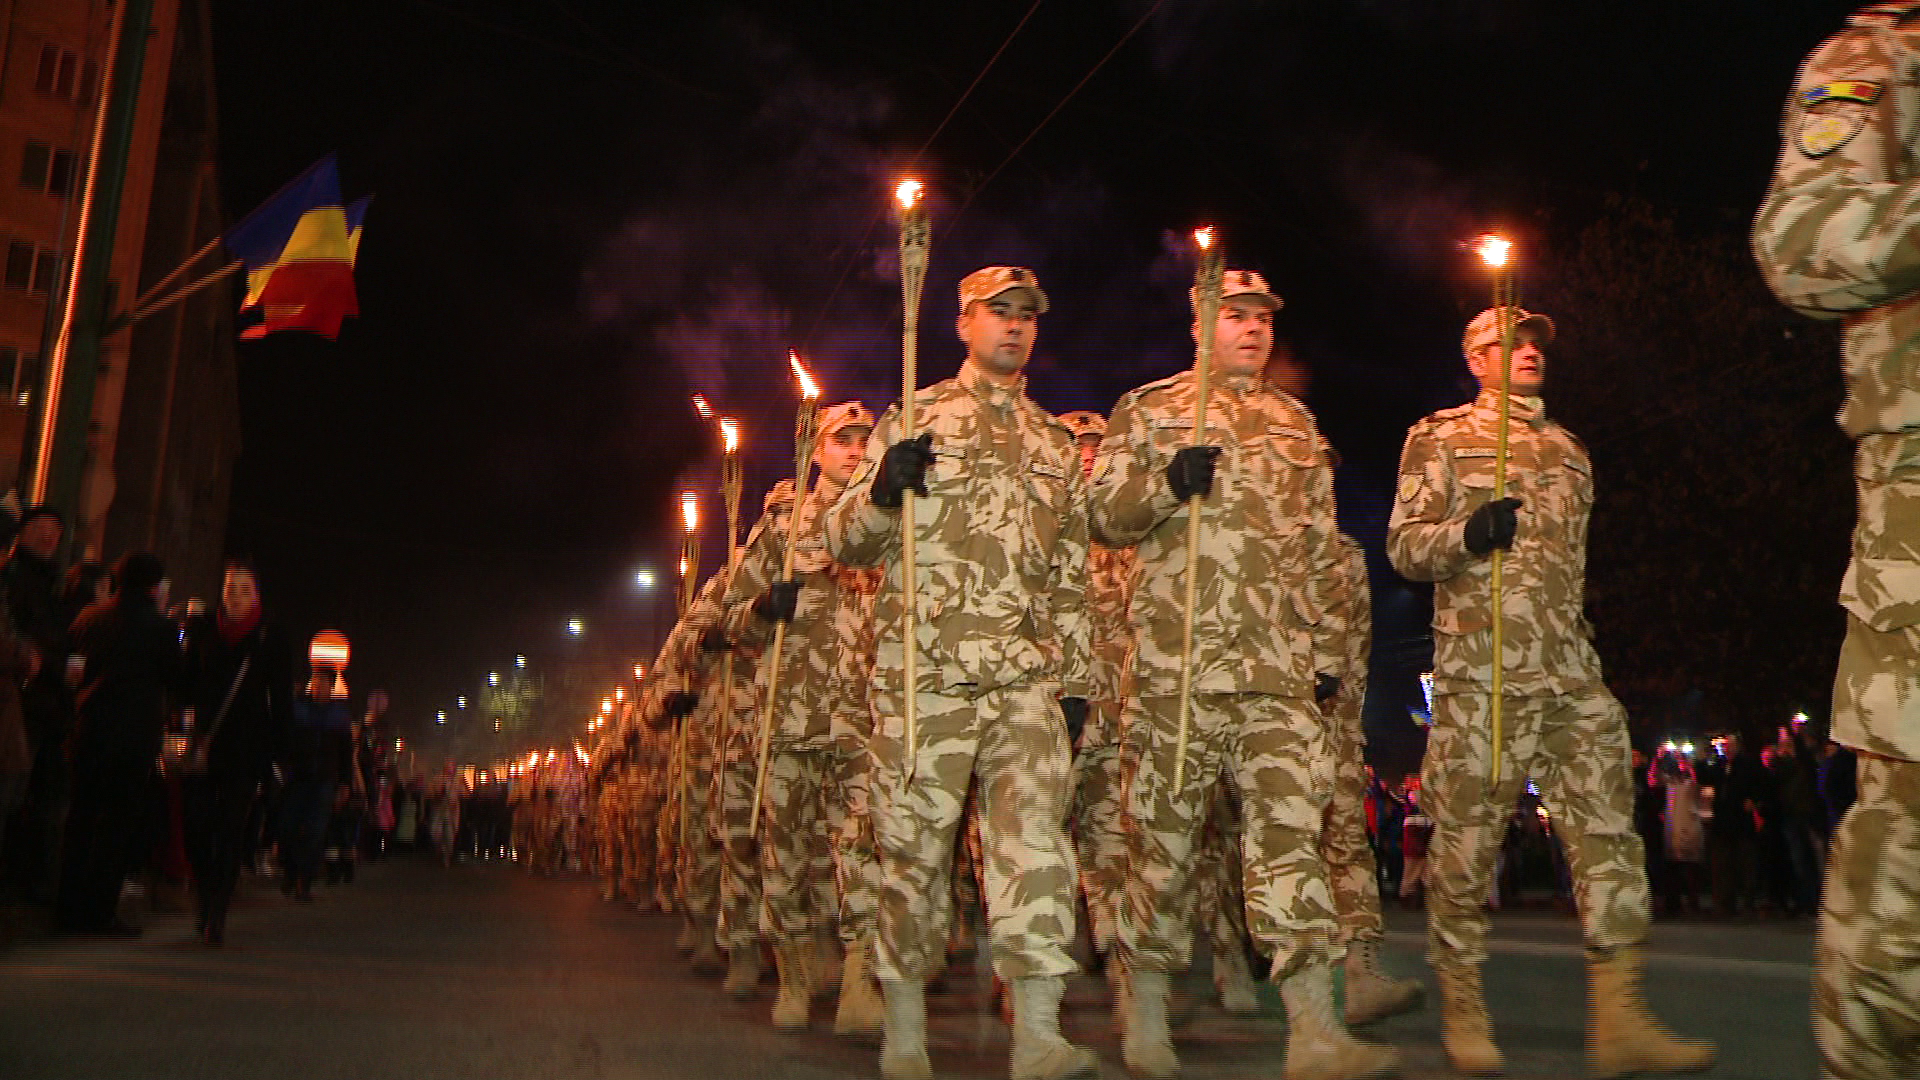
point(683, 566)
point(908, 193)
point(1203, 237)
point(1494, 250)
point(700, 406)
point(690, 510)
point(730, 434)
point(808, 388)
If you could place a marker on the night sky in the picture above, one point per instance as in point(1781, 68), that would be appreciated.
point(584, 212)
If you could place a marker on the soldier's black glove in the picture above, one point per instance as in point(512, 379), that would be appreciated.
point(1075, 710)
point(715, 640)
point(681, 704)
point(778, 603)
point(1324, 687)
point(904, 466)
point(1493, 526)
point(1191, 471)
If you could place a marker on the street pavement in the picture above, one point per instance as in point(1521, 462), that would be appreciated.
point(420, 973)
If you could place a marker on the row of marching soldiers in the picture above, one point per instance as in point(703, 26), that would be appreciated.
point(1045, 749)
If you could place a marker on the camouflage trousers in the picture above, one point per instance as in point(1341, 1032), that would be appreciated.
point(856, 869)
point(740, 850)
point(1277, 752)
point(1099, 837)
point(1351, 871)
point(1575, 750)
point(1866, 968)
point(1220, 873)
point(700, 855)
point(1014, 740)
point(642, 844)
point(793, 825)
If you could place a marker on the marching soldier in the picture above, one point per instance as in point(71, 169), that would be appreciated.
point(1264, 649)
point(1099, 767)
point(802, 764)
point(1834, 241)
point(1351, 874)
point(1002, 652)
point(689, 668)
point(1562, 727)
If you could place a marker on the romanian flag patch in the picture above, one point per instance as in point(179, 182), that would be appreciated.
point(1864, 93)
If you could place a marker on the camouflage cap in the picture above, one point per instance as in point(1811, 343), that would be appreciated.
point(990, 281)
point(1240, 283)
point(1084, 422)
point(845, 414)
point(1484, 330)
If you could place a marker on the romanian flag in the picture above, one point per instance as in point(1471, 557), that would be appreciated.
point(299, 249)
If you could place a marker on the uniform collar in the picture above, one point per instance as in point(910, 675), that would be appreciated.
point(1531, 411)
point(981, 386)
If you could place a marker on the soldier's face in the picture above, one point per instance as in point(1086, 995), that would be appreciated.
point(1089, 450)
point(999, 332)
point(1529, 369)
point(840, 453)
point(1242, 337)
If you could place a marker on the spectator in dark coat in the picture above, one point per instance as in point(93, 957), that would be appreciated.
point(316, 759)
point(240, 676)
point(1740, 783)
point(31, 581)
point(132, 662)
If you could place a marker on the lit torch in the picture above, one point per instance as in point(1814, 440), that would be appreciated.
point(1208, 269)
point(1496, 252)
point(915, 243)
point(805, 434)
point(689, 548)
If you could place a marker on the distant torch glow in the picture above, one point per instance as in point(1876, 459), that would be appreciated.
point(908, 193)
point(1203, 237)
point(700, 406)
point(690, 510)
point(808, 388)
point(1494, 250)
point(730, 434)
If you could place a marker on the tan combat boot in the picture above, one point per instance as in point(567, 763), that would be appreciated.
point(1372, 994)
point(1466, 1031)
point(861, 1012)
point(1040, 1052)
point(683, 944)
point(1318, 1045)
point(903, 1049)
point(1146, 1043)
point(743, 971)
point(1622, 1036)
point(706, 960)
point(795, 1000)
point(1234, 982)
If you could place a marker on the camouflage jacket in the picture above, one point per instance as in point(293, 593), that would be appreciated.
point(1835, 236)
point(1109, 578)
point(826, 622)
point(1267, 549)
point(1353, 612)
point(1000, 547)
point(1446, 472)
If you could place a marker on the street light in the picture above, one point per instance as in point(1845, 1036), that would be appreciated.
point(639, 672)
point(440, 717)
point(576, 627)
point(460, 702)
point(493, 678)
point(644, 579)
point(519, 661)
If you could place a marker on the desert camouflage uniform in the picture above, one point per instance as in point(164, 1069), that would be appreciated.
point(1099, 767)
point(1001, 635)
point(684, 666)
point(1351, 872)
point(1835, 241)
point(1563, 728)
point(855, 865)
point(1262, 632)
point(801, 764)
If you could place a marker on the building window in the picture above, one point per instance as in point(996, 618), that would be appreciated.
point(34, 163)
point(63, 176)
point(46, 270)
point(9, 365)
point(19, 265)
point(62, 74)
point(49, 66)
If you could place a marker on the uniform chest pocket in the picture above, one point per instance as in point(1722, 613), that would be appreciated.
point(951, 468)
point(1290, 447)
point(1046, 487)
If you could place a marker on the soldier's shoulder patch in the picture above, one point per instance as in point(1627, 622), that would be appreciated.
point(1859, 91)
point(1409, 487)
point(1822, 133)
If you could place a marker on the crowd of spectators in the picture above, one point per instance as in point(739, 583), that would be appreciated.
point(1731, 831)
